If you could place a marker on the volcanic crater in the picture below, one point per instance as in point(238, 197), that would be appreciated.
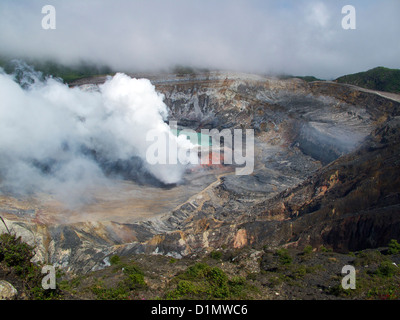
point(325, 169)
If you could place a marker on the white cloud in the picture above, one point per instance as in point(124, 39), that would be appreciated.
point(319, 14)
point(293, 36)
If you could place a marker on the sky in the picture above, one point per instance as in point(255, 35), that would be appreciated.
point(297, 37)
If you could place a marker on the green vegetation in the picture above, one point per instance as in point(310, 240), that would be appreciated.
point(172, 260)
point(67, 73)
point(305, 78)
point(183, 71)
point(309, 78)
point(16, 255)
point(284, 256)
point(380, 78)
point(366, 258)
point(394, 247)
point(132, 281)
point(307, 250)
point(202, 281)
point(386, 269)
point(195, 271)
point(389, 292)
point(115, 259)
point(381, 284)
point(292, 269)
point(377, 278)
point(135, 277)
point(324, 249)
point(216, 255)
point(288, 273)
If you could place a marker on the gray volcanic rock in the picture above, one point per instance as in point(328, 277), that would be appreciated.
point(7, 291)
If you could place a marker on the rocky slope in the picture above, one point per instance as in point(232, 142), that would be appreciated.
point(326, 172)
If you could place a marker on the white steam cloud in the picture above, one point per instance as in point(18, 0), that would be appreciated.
point(64, 141)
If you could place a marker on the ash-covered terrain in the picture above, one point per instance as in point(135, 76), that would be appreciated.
point(325, 173)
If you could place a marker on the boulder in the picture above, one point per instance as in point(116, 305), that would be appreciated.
point(7, 291)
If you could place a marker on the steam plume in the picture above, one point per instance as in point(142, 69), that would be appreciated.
point(63, 141)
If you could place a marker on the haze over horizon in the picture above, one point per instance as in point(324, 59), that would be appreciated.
point(287, 37)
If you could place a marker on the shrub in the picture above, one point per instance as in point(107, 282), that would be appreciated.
point(284, 257)
point(299, 272)
point(216, 255)
point(201, 281)
point(386, 269)
point(217, 276)
point(237, 285)
point(338, 291)
point(218, 283)
point(369, 257)
point(172, 260)
point(132, 269)
point(394, 247)
point(13, 251)
point(308, 249)
point(252, 276)
point(275, 280)
point(185, 287)
point(183, 70)
point(197, 270)
point(115, 259)
point(118, 293)
point(135, 279)
point(392, 292)
point(324, 249)
point(16, 253)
